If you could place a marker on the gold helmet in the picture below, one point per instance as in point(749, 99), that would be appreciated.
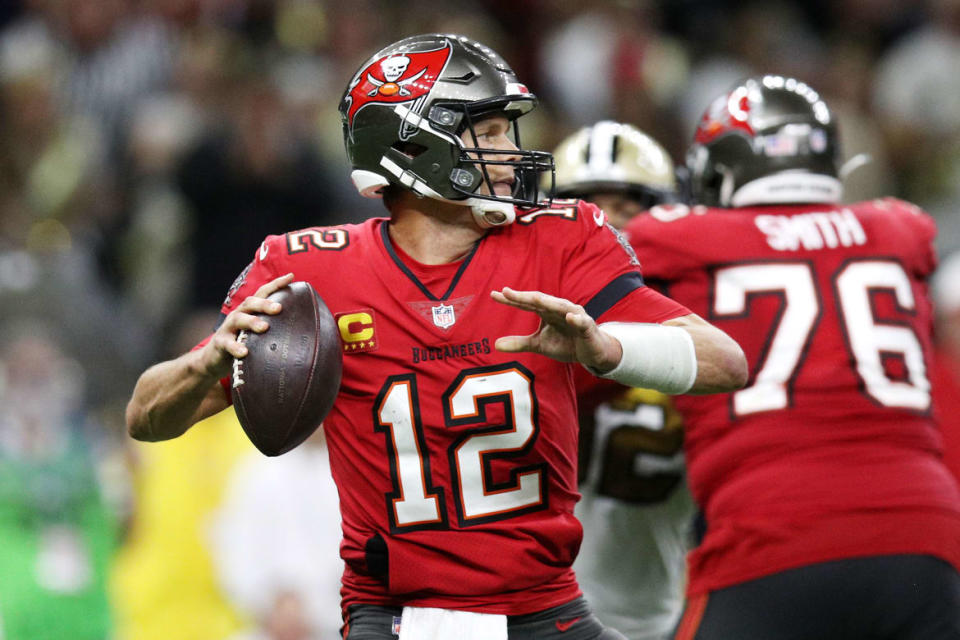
point(614, 157)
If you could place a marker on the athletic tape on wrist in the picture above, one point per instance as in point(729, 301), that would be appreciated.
point(655, 356)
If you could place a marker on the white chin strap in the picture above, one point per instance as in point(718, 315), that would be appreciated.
point(786, 187)
point(486, 213)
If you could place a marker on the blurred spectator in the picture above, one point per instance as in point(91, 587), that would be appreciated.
point(57, 533)
point(254, 176)
point(113, 57)
point(276, 544)
point(152, 249)
point(52, 166)
point(846, 85)
point(56, 197)
point(163, 584)
point(917, 98)
point(945, 377)
point(609, 60)
point(754, 37)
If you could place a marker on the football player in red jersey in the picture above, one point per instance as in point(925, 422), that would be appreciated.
point(453, 440)
point(829, 511)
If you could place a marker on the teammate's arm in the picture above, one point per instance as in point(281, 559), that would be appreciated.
point(172, 396)
point(567, 333)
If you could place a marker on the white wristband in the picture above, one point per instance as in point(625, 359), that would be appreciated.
point(655, 356)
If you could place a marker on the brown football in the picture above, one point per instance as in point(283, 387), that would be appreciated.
point(285, 386)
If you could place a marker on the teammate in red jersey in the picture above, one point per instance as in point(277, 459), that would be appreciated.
point(829, 511)
point(453, 440)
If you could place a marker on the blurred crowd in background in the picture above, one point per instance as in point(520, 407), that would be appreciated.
point(146, 148)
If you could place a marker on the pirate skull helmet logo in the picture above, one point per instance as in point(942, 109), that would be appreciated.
point(393, 69)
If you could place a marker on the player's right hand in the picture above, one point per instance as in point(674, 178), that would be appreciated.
point(224, 346)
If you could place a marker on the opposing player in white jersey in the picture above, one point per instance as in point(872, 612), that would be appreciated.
point(636, 509)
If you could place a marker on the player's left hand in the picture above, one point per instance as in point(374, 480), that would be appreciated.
point(567, 333)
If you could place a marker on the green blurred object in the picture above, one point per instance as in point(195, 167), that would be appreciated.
point(56, 539)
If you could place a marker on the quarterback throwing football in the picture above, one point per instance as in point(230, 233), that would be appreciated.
point(453, 440)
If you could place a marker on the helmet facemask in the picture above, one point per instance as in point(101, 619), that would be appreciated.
point(471, 174)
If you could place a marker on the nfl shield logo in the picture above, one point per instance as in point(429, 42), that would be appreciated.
point(443, 316)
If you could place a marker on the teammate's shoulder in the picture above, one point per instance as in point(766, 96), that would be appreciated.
point(891, 208)
point(671, 219)
point(676, 214)
point(890, 205)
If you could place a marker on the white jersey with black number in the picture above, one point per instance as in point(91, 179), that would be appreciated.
point(636, 513)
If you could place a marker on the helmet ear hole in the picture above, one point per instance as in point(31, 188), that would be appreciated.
point(409, 149)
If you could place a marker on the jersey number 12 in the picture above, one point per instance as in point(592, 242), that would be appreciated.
point(415, 502)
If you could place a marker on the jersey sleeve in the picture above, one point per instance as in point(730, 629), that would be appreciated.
point(603, 274)
point(262, 269)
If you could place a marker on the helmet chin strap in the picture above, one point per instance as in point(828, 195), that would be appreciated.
point(488, 213)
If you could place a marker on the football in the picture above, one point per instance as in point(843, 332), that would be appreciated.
point(285, 386)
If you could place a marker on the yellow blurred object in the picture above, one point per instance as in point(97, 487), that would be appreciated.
point(162, 584)
point(48, 235)
point(301, 25)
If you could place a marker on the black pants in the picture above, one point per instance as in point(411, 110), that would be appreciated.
point(902, 597)
point(570, 621)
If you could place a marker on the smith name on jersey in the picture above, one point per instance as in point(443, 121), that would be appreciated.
point(457, 463)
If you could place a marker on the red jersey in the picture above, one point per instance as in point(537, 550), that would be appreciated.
point(455, 463)
point(830, 450)
point(945, 379)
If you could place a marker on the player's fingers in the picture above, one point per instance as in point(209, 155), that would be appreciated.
point(259, 304)
point(541, 301)
point(230, 345)
point(274, 285)
point(514, 344)
point(239, 320)
point(502, 299)
point(550, 308)
point(265, 290)
point(582, 322)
